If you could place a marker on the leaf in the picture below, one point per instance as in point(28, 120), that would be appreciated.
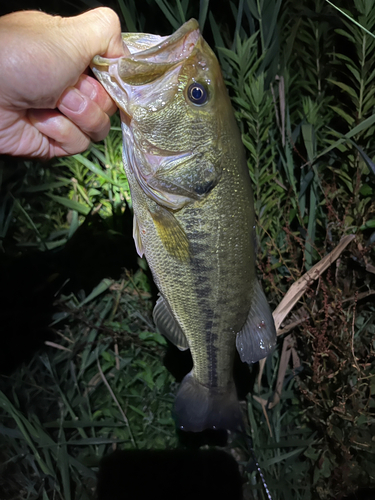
point(130, 24)
point(98, 290)
point(349, 119)
point(310, 238)
point(73, 225)
point(298, 288)
point(308, 135)
point(62, 462)
point(253, 7)
point(351, 19)
point(366, 190)
point(156, 337)
point(368, 161)
point(280, 458)
point(25, 427)
point(365, 124)
point(219, 42)
point(46, 187)
point(95, 169)
point(306, 182)
point(346, 88)
point(370, 224)
point(71, 204)
point(203, 8)
point(167, 11)
point(181, 12)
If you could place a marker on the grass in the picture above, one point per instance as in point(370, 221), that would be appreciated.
point(98, 386)
point(305, 109)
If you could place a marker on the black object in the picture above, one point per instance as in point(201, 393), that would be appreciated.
point(169, 474)
point(362, 494)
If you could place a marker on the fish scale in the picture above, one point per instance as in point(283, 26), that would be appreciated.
point(193, 214)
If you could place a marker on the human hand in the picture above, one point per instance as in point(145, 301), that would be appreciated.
point(43, 60)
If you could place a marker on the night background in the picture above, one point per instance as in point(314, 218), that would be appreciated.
point(87, 384)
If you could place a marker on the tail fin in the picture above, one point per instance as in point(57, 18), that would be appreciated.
point(198, 407)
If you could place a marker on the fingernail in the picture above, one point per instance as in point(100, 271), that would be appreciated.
point(87, 89)
point(73, 100)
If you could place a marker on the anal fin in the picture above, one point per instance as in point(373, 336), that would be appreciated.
point(168, 326)
point(257, 339)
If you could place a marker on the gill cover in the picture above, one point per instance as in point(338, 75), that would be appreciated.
point(142, 84)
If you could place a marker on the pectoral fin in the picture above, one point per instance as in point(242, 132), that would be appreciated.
point(171, 233)
point(137, 237)
point(168, 326)
point(257, 338)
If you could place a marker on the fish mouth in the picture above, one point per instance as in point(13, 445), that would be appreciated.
point(167, 50)
point(151, 57)
point(170, 49)
point(146, 80)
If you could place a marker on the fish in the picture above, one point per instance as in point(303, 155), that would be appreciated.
point(193, 214)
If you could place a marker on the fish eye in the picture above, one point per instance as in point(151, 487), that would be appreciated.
point(197, 94)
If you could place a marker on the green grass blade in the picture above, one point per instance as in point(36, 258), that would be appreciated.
point(253, 7)
point(95, 169)
point(238, 23)
point(280, 458)
point(74, 224)
point(351, 19)
point(26, 215)
point(62, 462)
point(5, 220)
point(168, 14)
point(356, 130)
point(203, 8)
point(24, 427)
point(99, 155)
point(308, 135)
point(71, 204)
point(98, 290)
point(219, 43)
point(129, 22)
point(310, 239)
point(181, 12)
point(367, 159)
point(46, 187)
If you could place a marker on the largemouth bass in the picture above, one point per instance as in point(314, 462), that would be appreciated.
point(193, 213)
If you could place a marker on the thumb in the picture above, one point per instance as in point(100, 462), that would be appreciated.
point(97, 31)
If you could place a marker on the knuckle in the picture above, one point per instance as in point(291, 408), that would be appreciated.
point(108, 16)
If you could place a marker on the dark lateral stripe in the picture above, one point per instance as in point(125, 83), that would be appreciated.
point(212, 352)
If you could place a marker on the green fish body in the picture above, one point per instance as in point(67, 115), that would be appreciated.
point(193, 214)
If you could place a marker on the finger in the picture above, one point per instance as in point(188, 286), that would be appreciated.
point(84, 113)
point(91, 88)
point(102, 30)
point(61, 136)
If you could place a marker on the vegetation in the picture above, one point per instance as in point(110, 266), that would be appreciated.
point(300, 75)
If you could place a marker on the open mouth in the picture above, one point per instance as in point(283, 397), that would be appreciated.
point(150, 58)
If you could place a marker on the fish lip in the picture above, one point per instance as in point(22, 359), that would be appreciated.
point(187, 36)
point(170, 51)
point(163, 57)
